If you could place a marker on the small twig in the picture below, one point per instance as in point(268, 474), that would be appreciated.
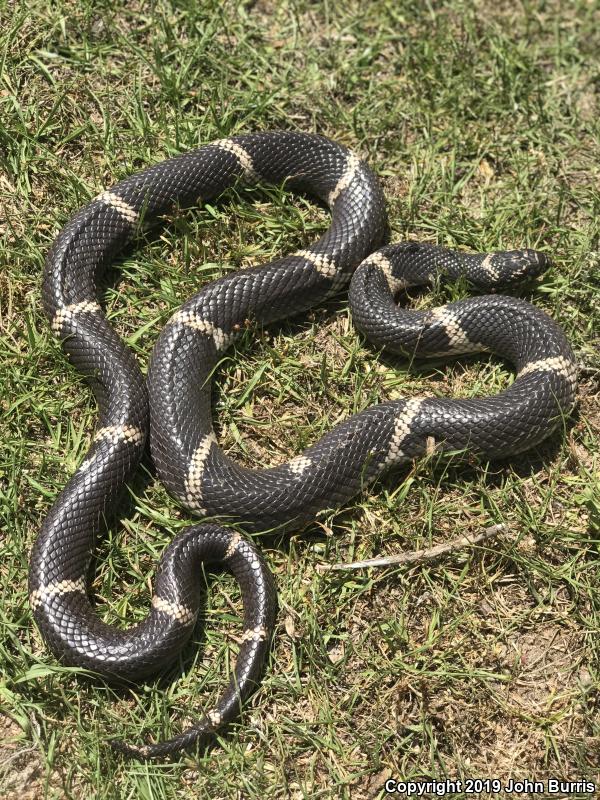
point(418, 555)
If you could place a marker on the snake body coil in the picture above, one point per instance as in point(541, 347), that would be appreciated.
point(184, 447)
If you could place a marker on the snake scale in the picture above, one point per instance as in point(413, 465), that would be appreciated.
point(174, 404)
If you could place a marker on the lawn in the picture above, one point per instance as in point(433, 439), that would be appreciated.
point(481, 120)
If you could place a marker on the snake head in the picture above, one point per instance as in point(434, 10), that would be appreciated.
point(510, 266)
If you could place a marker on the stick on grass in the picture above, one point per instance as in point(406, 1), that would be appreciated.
point(418, 555)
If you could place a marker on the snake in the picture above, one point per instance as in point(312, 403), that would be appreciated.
point(172, 406)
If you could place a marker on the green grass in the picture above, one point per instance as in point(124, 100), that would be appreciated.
point(482, 121)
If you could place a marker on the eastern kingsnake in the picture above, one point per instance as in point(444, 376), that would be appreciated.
point(184, 448)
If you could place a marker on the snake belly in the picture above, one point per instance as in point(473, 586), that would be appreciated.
point(184, 447)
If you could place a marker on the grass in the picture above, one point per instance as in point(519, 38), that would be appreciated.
point(482, 121)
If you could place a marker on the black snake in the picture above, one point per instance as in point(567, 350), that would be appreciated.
point(178, 394)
